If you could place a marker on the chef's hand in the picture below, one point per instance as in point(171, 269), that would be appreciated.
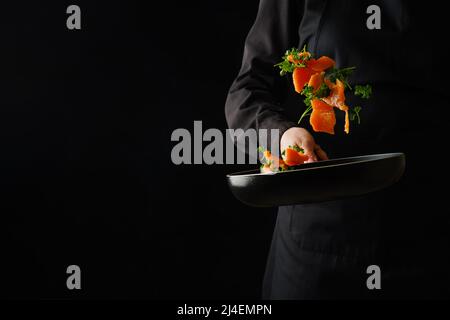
point(303, 139)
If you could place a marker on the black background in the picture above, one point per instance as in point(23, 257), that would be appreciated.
point(86, 175)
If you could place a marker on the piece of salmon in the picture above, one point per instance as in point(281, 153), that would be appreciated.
point(316, 80)
point(301, 76)
point(273, 164)
point(322, 64)
point(322, 118)
point(294, 158)
point(337, 99)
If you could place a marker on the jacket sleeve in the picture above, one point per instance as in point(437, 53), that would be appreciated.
point(255, 97)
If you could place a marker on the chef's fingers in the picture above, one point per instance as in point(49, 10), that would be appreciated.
point(308, 146)
point(321, 154)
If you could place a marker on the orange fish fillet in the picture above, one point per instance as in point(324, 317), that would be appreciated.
point(316, 80)
point(322, 64)
point(337, 99)
point(322, 117)
point(301, 76)
point(294, 158)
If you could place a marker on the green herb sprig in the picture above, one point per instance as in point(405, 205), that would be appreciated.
point(364, 92)
point(334, 74)
point(293, 59)
point(310, 95)
point(354, 114)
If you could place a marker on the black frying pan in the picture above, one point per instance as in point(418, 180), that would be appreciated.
point(319, 181)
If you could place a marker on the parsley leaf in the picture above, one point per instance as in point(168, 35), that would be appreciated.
point(293, 59)
point(364, 92)
point(323, 91)
point(354, 114)
point(296, 148)
point(310, 95)
point(308, 92)
point(334, 74)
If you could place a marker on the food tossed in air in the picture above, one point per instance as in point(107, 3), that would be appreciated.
point(323, 86)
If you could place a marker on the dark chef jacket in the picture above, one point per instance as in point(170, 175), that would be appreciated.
point(323, 250)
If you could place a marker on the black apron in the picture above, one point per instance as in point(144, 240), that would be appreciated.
point(323, 250)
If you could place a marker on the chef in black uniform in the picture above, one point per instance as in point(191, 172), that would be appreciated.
point(323, 250)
